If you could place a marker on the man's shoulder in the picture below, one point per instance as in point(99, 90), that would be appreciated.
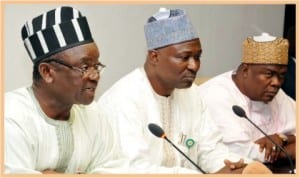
point(17, 92)
point(281, 96)
point(220, 82)
point(20, 107)
point(17, 98)
point(128, 86)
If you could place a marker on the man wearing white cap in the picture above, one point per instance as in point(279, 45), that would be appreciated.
point(162, 92)
point(255, 87)
point(53, 126)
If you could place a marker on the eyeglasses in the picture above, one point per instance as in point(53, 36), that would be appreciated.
point(99, 68)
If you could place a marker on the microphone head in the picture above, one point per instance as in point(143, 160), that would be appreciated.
point(239, 111)
point(156, 130)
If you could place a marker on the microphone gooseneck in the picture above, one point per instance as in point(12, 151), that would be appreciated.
point(159, 132)
point(241, 113)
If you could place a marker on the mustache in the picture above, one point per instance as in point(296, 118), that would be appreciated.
point(91, 85)
point(190, 74)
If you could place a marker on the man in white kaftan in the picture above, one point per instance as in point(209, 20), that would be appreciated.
point(278, 116)
point(255, 87)
point(34, 142)
point(134, 104)
point(54, 126)
point(162, 92)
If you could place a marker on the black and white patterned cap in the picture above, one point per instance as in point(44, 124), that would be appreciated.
point(55, 31)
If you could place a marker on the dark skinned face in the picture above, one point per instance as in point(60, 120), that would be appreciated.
point(262, 81)
point(72, 85)
point(178, 64)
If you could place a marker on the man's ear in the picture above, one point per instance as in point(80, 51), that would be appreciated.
point(46, 72)
point(245, 70)
point(153, 56)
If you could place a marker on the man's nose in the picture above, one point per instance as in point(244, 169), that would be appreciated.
point(193, 64)
point(276, 81)
point(94, 75)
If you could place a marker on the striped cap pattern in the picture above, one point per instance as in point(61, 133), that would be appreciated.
point(168, 27)
point(55, 31)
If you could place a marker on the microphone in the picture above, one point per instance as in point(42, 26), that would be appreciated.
point(241, 113)
point(159, 132)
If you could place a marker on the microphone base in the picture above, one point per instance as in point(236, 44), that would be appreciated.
point(281, 166)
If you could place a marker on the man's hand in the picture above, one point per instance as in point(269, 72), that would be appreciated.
point(232, 167)
point(271, 151)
